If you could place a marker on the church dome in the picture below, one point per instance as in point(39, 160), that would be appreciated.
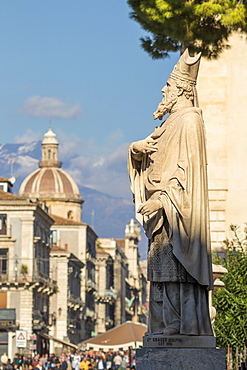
point(50, 182)
point(52, 185)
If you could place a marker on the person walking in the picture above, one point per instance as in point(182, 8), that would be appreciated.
point(76, 359)
point(84, 364)
point(117, 359)
point(4, 360)
point(101, 365)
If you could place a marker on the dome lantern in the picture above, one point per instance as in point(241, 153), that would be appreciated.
point(50, 150)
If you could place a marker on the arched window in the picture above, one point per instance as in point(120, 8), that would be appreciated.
point(49, 153)
point(70, 215)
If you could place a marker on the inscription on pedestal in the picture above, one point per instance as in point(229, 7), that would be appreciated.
point(179, 341)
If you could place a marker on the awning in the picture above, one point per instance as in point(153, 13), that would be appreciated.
point(67, 344)
point(123, 336)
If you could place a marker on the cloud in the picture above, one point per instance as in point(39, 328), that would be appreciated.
point(51, 107)
point(116, 136)
point(26, 164)
point(28, 137)
point(118, 159)
point(107, 173)
point(69, 145)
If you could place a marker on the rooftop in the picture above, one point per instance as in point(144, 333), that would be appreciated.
point(3, 179)
point(4, 195)
point(121, 243)
point(65, 221)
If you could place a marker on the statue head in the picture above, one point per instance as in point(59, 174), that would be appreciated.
point(180, 85)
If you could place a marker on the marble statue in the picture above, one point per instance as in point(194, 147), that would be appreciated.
point(168, 178)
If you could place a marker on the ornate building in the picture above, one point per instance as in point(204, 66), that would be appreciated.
point(51, 185)
point(25, 284)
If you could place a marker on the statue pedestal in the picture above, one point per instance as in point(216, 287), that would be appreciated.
point(180, 352)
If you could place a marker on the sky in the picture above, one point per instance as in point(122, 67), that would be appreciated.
point(78, 67)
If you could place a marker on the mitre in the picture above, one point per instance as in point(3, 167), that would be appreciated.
point(187, 67)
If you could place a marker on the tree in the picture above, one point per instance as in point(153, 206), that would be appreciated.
point(231, 301)
point(200, 25)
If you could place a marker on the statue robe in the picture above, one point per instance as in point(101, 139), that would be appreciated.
point(176, 175)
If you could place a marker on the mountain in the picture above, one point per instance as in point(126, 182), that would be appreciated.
point(106, 214)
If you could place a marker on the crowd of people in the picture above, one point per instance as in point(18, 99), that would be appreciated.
point(79, 360)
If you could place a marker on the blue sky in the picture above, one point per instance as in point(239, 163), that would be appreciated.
point(79, 65)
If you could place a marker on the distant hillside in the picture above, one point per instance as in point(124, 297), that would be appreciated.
point(106, 214)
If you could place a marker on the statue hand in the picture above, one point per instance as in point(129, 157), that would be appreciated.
point(149, 207)
point(145, 146)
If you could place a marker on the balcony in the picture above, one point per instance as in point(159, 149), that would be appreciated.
point(10, 280)
point(49, 163)
point(42, 278)
point(91, 285)
point(40, 320)
point(44, 283)
point(109, 321)
point(75, 302)
point(106, 296)
point(89, 313)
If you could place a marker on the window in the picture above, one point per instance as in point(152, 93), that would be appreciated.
point(3, 226)
point(3, 261)
point(53, 237)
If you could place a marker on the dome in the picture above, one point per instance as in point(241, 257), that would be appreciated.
point(50, 183)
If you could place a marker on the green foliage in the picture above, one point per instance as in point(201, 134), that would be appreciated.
point(201, 25)
point(231, 301)
point(24, 269)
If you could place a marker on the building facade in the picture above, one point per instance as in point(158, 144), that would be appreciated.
point(222, 94)
point(25, 284)
point(66, 306)
point(80, 239)
point(106, 294)
point(121, 281)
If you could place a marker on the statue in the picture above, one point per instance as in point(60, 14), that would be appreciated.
point(168, 179)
